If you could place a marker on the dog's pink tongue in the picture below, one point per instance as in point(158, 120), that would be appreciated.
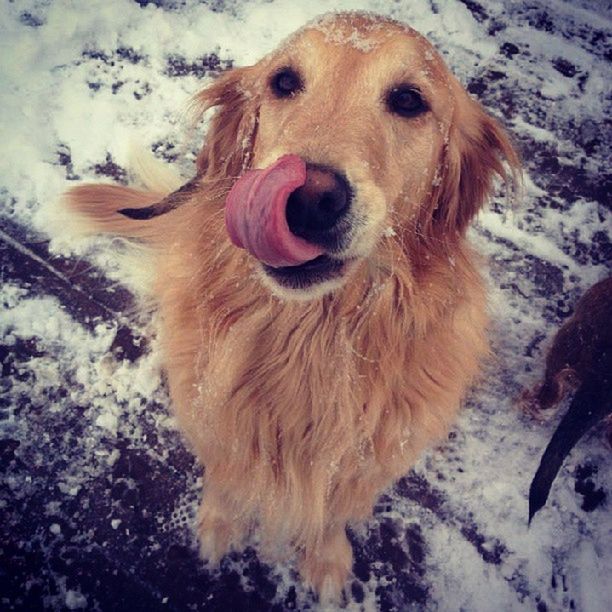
point(255, 214)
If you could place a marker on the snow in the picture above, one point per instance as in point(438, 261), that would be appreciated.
point(75, 600)
point(96, 472)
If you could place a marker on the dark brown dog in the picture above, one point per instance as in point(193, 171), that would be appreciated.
point(580, 358)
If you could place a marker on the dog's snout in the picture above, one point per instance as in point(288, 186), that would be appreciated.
point(315, 208)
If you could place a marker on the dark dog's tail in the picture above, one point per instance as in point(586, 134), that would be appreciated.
point(592, 403)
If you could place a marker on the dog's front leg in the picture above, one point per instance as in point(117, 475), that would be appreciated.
point(218, 531)
point(326, 565)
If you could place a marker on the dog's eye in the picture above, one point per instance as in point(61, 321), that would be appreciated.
point(406, 101)
point(286, 83)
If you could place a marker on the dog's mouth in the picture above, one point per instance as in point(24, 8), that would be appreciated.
point(255, 214)
point(316, 271)
point(292, 217)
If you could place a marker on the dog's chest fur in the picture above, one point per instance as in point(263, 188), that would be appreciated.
point(304, 408)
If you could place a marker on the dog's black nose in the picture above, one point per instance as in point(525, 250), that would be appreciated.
point(315, 209)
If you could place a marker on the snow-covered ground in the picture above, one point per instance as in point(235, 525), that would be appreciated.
point(97, 492)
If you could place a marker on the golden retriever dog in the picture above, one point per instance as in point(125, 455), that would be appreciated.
point(321, 313)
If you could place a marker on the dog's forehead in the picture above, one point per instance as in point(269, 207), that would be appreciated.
point(357, 38)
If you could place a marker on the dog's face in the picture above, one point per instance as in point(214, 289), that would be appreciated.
point(387, 138)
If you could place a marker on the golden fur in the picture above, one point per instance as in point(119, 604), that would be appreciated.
point(303, 411)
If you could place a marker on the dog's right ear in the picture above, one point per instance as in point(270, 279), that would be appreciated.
point(228, 149)
point(476, 152)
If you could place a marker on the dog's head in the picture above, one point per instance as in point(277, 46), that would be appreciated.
point(352, 131)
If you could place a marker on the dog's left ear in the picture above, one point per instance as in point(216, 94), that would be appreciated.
point(477, 151)
point(230, 138)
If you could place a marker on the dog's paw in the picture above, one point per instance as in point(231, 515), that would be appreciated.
point(326, 568)
point(216, 535)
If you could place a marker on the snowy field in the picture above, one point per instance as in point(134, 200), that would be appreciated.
point(97, 492)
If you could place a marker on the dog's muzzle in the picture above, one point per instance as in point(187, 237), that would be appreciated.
point(293, 217)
